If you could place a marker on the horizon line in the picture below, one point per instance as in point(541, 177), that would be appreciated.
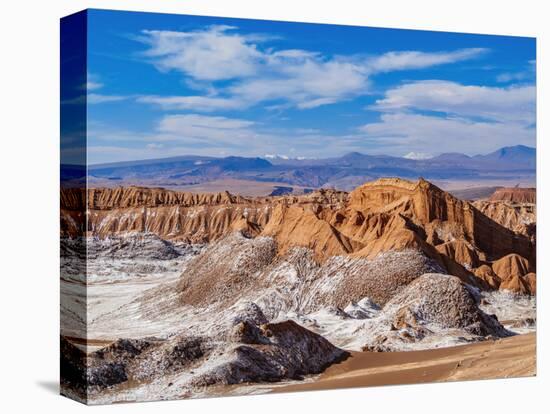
point(267, 157)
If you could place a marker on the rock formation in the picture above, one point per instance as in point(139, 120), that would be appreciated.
point(518, 217)
point(381, 216)
point(274, 288)
point(236, 266)
point(247, 352)
point(444, 300)
point(515, 195)
point(432, 303)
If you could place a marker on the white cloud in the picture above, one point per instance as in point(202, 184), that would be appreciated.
point(176, 135)
point(212, 135)
point(417, 133)
point(95, 98)
point(90, 86)
point(212, 54)
point(405, 60)
point(528, 74)
point(183, 128)
point(305, 83)
point(511, 104)
point(204, 130)
point(112, 153)
point(448, 116)
point(195, 103)
point(253, 73)
point(92, 82)
point(154, 146)
point(176, 122)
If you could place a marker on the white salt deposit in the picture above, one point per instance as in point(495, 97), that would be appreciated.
point(137, 297)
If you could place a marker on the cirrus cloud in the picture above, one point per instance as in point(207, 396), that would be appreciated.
point(195, 103)
point(407, 60)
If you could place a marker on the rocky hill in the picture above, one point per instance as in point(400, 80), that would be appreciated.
point(381, 216)
point(192, 292)
point(515, 195)
point(518, 217)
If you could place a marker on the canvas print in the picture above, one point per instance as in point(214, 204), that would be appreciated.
point(257, 206)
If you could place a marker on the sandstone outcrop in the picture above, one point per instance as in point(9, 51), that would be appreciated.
point(531, 279)
point(518, 217)
point(511, 265)
point(515, 195)
point(380, 216)
point(486, 273)
point(515, 274)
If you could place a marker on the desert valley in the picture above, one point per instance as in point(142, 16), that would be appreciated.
point(253, 206)
point(176, 294)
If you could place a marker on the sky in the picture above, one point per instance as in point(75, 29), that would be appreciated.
point(161, 85)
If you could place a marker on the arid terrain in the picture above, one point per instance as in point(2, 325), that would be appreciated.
point(502, 358)
point(169, 294)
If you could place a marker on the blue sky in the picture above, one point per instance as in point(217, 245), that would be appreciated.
point(164, 85)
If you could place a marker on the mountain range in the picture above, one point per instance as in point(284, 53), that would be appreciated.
point(344, 172)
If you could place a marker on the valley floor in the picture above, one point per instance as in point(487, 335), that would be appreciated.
point(504, 358)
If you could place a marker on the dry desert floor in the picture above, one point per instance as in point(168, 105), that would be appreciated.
point(503, 358)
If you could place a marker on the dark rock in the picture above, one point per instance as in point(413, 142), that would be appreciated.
point(284, 350)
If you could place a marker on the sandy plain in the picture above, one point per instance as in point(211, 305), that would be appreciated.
point(503, 358)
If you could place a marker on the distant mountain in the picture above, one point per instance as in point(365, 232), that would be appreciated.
point(452, 156)
point(241, 163)
point(519, 154)
point(179, 166)
point(345, 172)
